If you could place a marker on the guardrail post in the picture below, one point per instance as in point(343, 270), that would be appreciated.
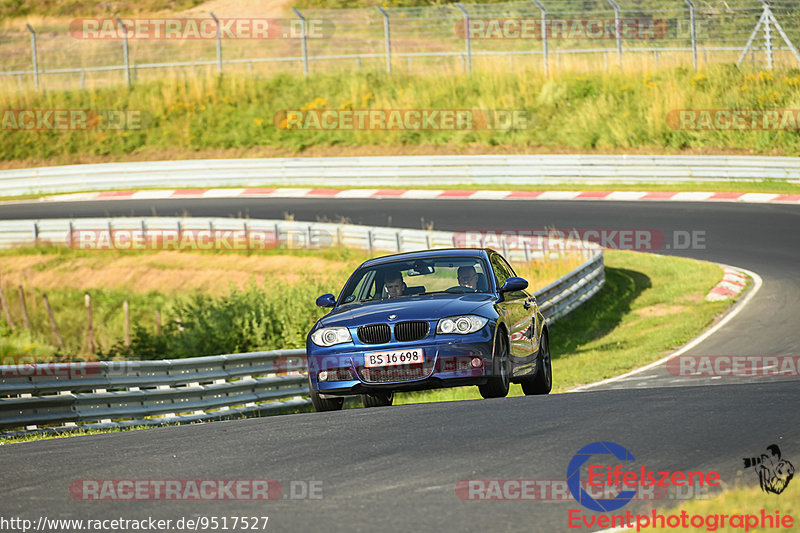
point(34, 57)
point(387, 38)
point(544, 36)
point(219, 43)
point(693, 24)
point(467, 39)
point(35, 233)
point(125, 51)
point(304, 39)
point(618, 30)
point(399, 241)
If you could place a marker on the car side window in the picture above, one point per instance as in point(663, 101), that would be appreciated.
point(501, 270)
point(365, 289)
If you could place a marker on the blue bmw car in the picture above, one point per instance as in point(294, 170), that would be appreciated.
point(424, 320)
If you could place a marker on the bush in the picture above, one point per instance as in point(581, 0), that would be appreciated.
point(243, 321)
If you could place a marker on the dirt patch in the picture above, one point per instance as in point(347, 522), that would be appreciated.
point(167, 272)
point(229, 8)
point(660, 310)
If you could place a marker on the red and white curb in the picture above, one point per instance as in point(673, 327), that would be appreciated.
point(428, 194)
point(732, 284)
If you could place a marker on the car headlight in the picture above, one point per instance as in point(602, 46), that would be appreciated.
point(461, 324)
point(331, 336)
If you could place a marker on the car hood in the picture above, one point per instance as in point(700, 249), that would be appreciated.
point(425, 307)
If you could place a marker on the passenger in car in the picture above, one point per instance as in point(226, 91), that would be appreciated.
point(394, 284)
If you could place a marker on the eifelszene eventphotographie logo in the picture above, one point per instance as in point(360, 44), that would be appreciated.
point(774, 472)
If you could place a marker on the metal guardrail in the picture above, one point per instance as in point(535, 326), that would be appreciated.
point(389, 171)
point(132, 393)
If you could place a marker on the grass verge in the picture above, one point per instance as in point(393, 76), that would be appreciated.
point(649, 306)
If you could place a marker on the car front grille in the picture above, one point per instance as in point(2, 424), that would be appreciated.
point(374, 333)
point(387, 374)
point(411, 331)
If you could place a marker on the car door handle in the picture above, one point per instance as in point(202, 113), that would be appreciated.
point(527, 305)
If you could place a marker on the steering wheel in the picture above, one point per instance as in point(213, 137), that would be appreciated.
point(460, 289)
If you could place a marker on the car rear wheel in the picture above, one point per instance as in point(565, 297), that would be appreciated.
point(497, 386)
point(542, 382)
point(379, 399)
point(323, 404)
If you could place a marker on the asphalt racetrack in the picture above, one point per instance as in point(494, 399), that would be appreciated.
point(397, 468)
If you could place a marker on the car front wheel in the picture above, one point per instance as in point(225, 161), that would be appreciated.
point(323, 404)
point(497, 386)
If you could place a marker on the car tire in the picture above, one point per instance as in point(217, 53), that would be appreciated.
point(380, 399)
point(497, 386)
point(542, 382)
point(323, 404)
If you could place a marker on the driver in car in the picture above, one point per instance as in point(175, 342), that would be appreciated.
point(467, 277)
point(394, 284)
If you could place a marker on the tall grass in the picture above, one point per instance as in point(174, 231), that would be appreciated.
point(616, 111)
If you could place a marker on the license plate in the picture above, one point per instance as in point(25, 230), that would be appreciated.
point(395, 357)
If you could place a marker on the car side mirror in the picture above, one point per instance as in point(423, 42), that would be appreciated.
point(514, 284)
point(328, 300)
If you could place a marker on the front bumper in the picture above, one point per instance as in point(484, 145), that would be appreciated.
point(449, 361)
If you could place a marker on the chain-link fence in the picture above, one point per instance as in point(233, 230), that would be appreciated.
point(550, 35)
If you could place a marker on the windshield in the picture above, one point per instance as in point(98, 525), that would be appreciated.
point(411, 278)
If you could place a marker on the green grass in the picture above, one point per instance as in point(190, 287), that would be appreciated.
point(586, 112)
point(649, 306)
point(33, 437)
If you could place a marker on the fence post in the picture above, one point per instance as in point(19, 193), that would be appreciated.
point(53, 322)
point(6, 310)
point(304, 39)
point(387, 38)
point(35, 59)
point(618, 30)
point(219, 43)
point(693, 23)
point(125, 51)
point(25, 318)
point(467, 39)
point(544, 36)
point(127, 314)
point(89, 328)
